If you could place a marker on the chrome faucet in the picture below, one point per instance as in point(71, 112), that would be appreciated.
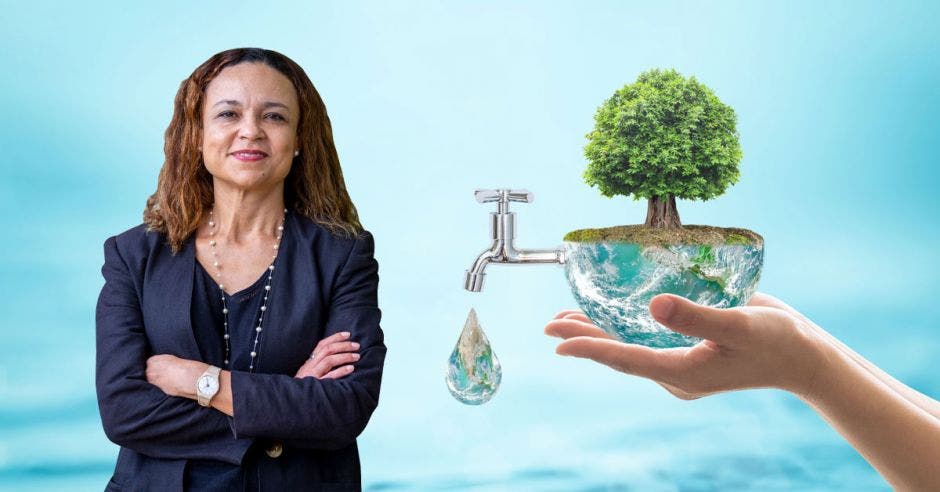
point(503, 234)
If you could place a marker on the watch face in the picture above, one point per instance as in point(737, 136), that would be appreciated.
point(208, 385)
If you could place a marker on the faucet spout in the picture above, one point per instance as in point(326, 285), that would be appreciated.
point(473, 278)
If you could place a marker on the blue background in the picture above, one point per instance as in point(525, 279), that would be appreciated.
point(837, 105)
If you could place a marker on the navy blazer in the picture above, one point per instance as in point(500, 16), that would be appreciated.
point(324, 284)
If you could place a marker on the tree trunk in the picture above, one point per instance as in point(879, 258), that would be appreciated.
point(661, 212)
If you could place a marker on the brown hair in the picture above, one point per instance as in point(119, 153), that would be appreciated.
point(314, 187)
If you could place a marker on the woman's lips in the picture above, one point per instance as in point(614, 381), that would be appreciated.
point(249, 155)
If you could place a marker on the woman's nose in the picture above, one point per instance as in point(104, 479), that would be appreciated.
point(250, 129)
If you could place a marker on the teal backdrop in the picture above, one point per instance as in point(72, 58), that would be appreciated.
point(837, 104)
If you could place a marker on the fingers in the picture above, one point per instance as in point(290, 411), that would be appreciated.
point(330, 356)
point(335, 348)
point(627, 358)
point(723, 326)
point(336, 337)
point(569, 328)
point(339, 372)
point(566, 312)
point(329, 362)
point(767, 300)
point(579, 317)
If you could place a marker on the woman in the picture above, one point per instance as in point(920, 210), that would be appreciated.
point(238, 339)
point(768, 344)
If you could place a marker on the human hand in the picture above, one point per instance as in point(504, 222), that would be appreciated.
point(331, 359)
point(173, 375)
point(763, 344)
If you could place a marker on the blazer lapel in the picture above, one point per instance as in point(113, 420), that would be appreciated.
point(281, 291)
point(295, 321)
point(168, 294)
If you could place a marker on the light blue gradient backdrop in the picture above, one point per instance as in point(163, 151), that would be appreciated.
point(837, 105)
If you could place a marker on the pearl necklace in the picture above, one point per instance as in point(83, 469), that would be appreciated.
point(267, 289)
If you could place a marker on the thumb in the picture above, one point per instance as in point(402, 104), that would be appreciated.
point(723, 326)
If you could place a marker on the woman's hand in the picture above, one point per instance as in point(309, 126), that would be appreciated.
point(173, 375)
point(763, 344)
point(331, 359)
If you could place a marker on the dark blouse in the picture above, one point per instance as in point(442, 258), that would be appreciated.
point(244, 309)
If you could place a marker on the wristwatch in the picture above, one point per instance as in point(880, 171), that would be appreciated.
point(207, 385)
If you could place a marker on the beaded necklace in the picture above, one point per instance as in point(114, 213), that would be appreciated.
point(267, 290)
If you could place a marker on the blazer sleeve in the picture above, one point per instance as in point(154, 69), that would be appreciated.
point(323, 413)
point(136, 414)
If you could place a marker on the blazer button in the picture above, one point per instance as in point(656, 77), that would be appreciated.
point(275, 449)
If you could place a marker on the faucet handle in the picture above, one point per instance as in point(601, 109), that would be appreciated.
point(503, 196)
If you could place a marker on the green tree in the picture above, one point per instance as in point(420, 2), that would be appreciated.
point(663, 137)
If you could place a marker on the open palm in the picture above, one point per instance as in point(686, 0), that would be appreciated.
point(763, 344)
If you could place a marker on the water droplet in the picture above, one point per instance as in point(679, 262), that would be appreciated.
point(473, 372)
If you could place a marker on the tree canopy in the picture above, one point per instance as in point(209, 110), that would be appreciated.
point(664, 135)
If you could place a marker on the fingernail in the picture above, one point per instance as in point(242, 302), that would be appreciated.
point(355, 345)
point(355, 356)
point(346, 334)
point(662, 308)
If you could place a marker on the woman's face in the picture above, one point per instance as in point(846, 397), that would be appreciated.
point(249, 126)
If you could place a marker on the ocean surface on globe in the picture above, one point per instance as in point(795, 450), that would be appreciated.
point(613, 282)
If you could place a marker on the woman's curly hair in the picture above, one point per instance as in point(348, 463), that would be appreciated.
point(314, 187)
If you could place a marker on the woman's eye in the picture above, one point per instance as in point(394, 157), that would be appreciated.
point(231, 114)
